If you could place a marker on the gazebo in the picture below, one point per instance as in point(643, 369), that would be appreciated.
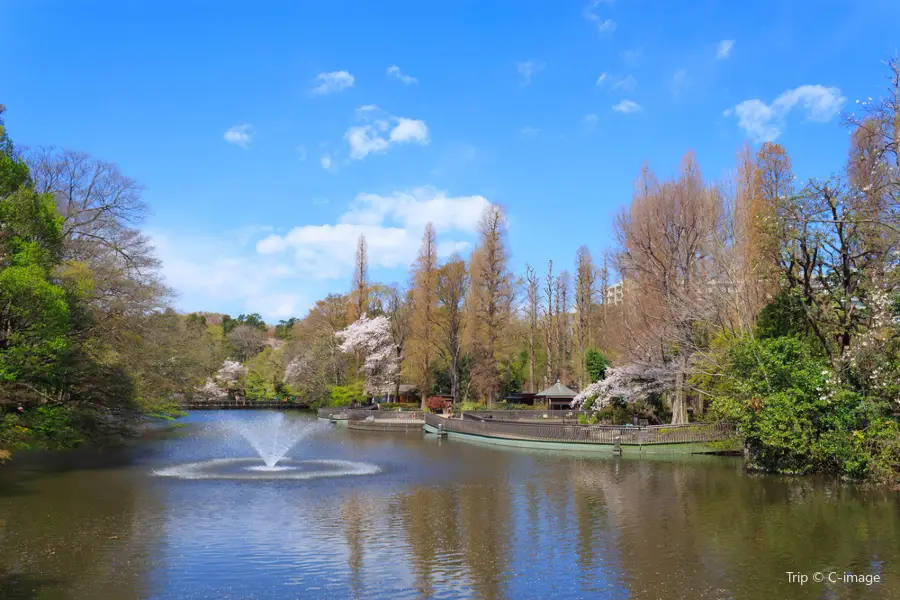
point(558, 396)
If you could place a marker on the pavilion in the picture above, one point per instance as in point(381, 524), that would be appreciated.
point(558, 396)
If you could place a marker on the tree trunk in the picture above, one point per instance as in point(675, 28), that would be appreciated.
point(679, 404)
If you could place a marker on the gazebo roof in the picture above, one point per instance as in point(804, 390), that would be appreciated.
point(557, 390)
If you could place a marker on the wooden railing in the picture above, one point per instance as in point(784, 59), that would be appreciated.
point(591, 434)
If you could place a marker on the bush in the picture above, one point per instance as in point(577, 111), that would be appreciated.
point(398, 405)
point(795, 418)
point(437, 404)
point(596, 364)
point(345, 395)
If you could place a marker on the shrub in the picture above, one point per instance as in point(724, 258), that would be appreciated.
point(795, 417)
point(437, 404)
point(345, 395)
point(596, 364)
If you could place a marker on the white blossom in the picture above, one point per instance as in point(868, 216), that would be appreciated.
point(210, 391)
point(230, 372)
point(629, 383)
point(372, 338)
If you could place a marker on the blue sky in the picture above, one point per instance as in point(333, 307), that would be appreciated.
point(269, 135)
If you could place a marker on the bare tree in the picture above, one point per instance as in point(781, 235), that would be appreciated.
point(453, 285)
point(360, 292)
point(665, 242)
point(425, 282)
point(533, 309)
point(398, 309)
point(550, 325)
point(246, 342)
point(585, 281)
point(563, 333)
point(491, 296)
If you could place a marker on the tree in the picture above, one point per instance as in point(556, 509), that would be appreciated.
point(453, 284)
point(585, 280)
point(491, 299)
point(665, 244)
point(246, 342)
point(596, 364)
point(360, 292)
point(532, 312)
point(550, 328)
point(424, 299)
point(398, 309)
point(372, 339)
point(284, 329)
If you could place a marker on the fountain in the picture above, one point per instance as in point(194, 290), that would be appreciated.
point(272, 436)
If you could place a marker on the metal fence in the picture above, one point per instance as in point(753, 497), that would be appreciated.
point(592, 434)
point(566, 416)
point(360, 414)
point(241, 404)
point(386, 425)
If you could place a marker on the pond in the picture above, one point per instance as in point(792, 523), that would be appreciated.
point(354, 514)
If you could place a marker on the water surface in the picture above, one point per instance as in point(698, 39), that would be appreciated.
point(435, 519)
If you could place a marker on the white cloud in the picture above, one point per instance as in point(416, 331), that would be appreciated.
point(627, 106)
point(723, 49)
point(765, 122)
point(392, 225)
point(327, 83)
point(395, 72)
point(254, 269)
point(377, 135)
point(680, 81)
point(590, 13)
point(240, 135)
point(617, 82)
point(327, 163)
point(210, 273)
point(528, 68)
point(589, 123)
point(529, 132)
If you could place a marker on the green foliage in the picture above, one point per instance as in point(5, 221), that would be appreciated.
point(596, 364)
point(285, 327)
point(345, 395)
point(795, 417)
point(35, 321)
point(264, 376)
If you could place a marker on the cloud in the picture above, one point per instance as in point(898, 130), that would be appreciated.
point(327, 83)
point(392, 224)
point(528, 68)
point(217, 274)
point(617, 82)
point(256, 269)
point(627, 106)
point(327, 163)
point(301, 153)
point(723, 49)
point(240, 135)
point(765, 122)
point(381, 131)
point(680, 81)
point(395, 72)
point(589, 123)
point(632, 56)
point(529, 132)
point(603, 25)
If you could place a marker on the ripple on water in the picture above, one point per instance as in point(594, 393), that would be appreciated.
point(250, 468)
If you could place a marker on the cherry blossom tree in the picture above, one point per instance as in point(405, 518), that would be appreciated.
point(210, 391)
point(373, 339)
point(230, 372)
point(630, 383)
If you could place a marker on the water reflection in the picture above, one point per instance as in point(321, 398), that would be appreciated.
point(440, 520)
